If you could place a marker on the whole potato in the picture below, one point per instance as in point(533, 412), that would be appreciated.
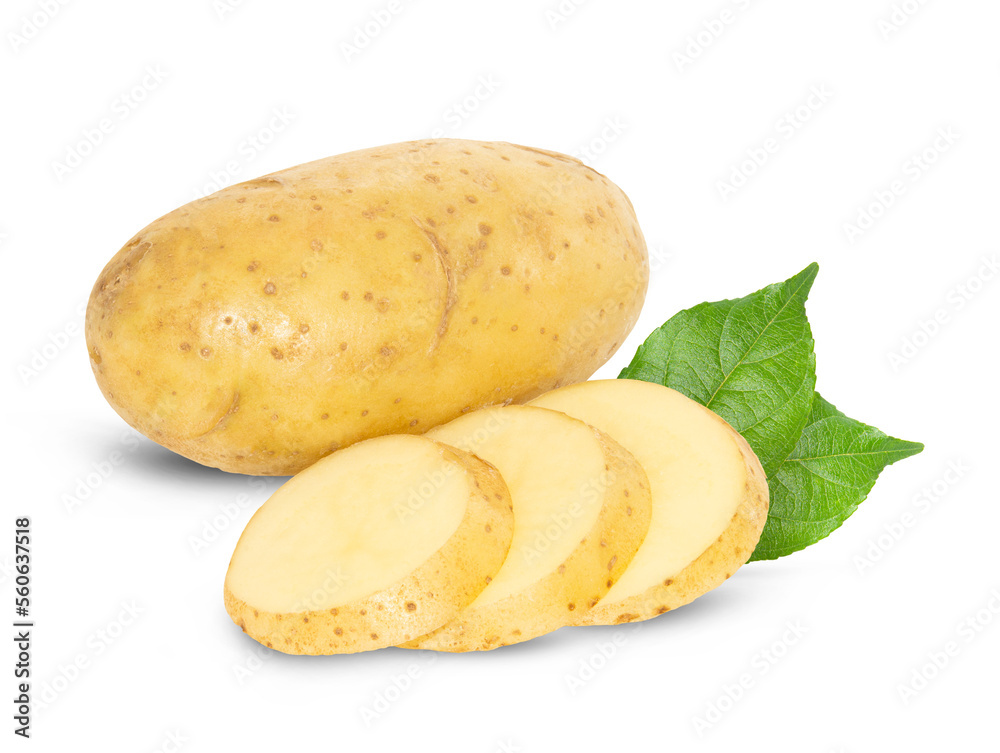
point(382, 291)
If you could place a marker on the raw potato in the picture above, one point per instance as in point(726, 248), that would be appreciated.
point(382, 291)
point(581, 509)
point(710, 496)
point(373, 546)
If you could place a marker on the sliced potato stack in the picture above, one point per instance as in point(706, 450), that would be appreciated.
point(581, 509)
point(710, 496)
point(375, 545)
point(599, 503)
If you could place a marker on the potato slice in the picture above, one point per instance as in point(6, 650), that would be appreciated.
point(710, 495)
point(581, 509)
point(372, 546)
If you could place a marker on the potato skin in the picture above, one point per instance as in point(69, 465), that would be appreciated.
point(382, 291)
point(714, 566)
point(430, 596)
point(563, 596)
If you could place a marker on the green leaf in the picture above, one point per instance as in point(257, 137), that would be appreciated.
point(750, 360)
point(829, 473)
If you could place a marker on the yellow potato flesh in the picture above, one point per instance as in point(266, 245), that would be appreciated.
point(344, 530)
point(374, 546)
point(556, 489)
point(581, 508)
point(697, 473)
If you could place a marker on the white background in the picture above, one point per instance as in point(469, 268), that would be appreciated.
point(181, 669)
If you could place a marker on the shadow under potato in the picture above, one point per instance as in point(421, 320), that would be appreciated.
point(392, 654)
point(578, 640)
point(148, 458)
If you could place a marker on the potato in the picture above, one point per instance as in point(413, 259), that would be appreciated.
point(370, 547)
point(710, 496)
point(382, 291)
point(581, 509)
